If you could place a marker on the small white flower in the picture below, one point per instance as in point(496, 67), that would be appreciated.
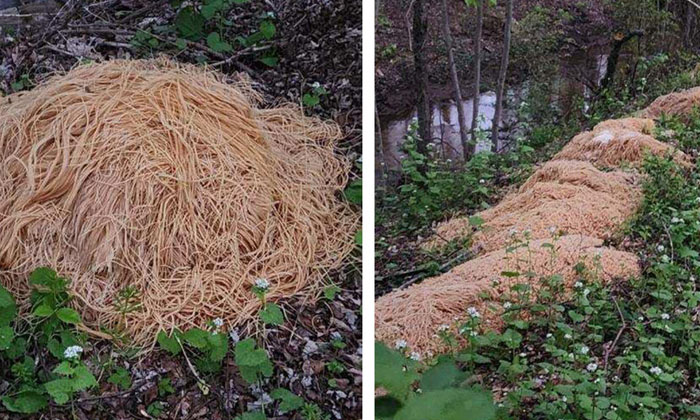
point(473, 312)
point(549, 335)
point(640, 319)
point(592, 367)
point(443, 327)
point(72, 352)
point(564, 399)
point(513, 232)
point(523, 354)
point(692, 279)
point(448, 161)
point(665, 316)
point(335, 335)
point(507, 305)
point(481, 181)
point(578, 285)
point(584, 350)
point(234, 336)
point(567, 336)
point(218, 322)
point(665, 258)
point(262, 283)
point(415, 356)
point(660, 248)
point(473, 333)
point(315, 85)
point(552, 230)
point(656, 370)
point(676, 220)
point(586, 292)
point(400, 344)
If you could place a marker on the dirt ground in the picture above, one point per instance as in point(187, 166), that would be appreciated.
point(316, 41)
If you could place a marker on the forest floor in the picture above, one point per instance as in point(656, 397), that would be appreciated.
point(315, 41)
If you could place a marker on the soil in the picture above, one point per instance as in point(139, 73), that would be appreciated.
point(316, 41)
point(395, 89)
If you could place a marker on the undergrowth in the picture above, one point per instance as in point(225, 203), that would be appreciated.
point(618, 351)
point(42, 354)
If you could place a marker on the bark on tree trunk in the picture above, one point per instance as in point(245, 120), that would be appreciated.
point(615, 56)
point(466, 152)
point(477, 67)
point(421, 75)
point(502, 76)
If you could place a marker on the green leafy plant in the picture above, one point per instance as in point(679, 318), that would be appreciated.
point(253, 362)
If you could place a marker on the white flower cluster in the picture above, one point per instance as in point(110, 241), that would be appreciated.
point(656, 370)
point(592, 367)
point(262, 283)
point(473, 312)
point(400, 344)
point(72, 352)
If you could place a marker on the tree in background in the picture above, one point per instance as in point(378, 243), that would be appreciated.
point(502, 76)
point(457, 91)
point(420, 29)
point(477, 63)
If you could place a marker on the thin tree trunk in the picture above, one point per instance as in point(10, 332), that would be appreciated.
point(477, 67)
point(421, 75)
point(502, 76)
point(615, 56)
point(455, 82)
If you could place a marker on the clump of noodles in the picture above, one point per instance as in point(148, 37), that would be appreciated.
point(417, 313)
point(562, 196)
point(166, 179)
point(614, 143)
point(681, 104)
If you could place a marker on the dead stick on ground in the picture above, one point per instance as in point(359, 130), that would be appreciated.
point(617, 337)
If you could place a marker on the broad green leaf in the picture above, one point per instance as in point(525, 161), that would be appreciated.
point(310, 100)
point(270, 60)
point(215, 42)
point(8, 307)
point(83, 378)
point(393, 371)
point(64, 368)
point(386, 407)
point(353, 192)
point(121, 378)
point(219, 346)
point(7, 334)
point(331, 290)
point(43, 310)
point(288, 400)
point(169, 343)
point(271, 314)
point(60, 390)
point(267, 29)
point(6, 298)
point(26, 402)
point(68, 315)
point(211, 8)
point(196, 337)
point(190, 24)
point(444, 375)
point(449, 404)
